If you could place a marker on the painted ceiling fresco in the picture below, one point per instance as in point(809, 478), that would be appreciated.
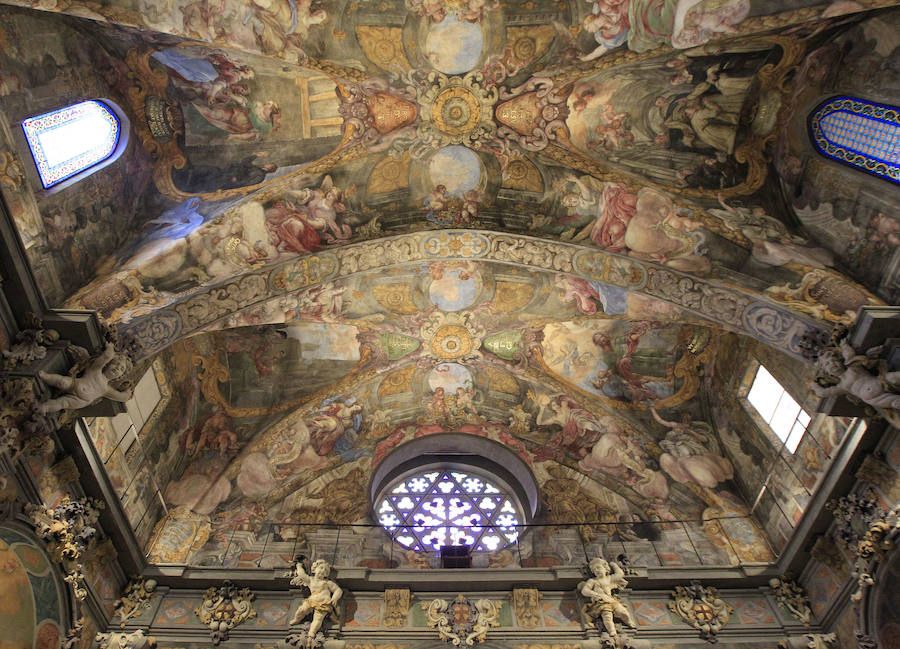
point(359, 223)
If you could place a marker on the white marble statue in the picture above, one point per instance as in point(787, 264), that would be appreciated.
point(853, 377)
point(94, 384)
point(324, 595)
point(604, 602)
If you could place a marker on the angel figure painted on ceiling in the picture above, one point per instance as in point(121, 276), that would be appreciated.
point(691, 454)
point(300, 220)
point(324, 595)
point(643, 25)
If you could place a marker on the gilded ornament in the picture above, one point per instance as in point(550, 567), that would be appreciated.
point(69, 529)
point(522, 174)
point(511, 296)
point(396, 297)
point(451, 342)
point(462, 622)
point(135, 598)
point(396, 607)
point(529, 43)
point(389, 174)
point(452, 336)
point(397, 382)
point(31, 344)
point(454, 110)
point(383, 46)
point(702, 608)
point(526, 602)
point(224, 608)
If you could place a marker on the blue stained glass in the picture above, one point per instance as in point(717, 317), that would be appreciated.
point(859, 133)
point(67, 141)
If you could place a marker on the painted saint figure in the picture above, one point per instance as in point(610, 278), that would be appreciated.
point(324, 595)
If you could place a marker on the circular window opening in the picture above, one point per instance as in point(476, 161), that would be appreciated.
point(432, 508)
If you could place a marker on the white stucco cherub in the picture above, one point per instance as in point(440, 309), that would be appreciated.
point(604, 602)
point(94, 384)
point(324, 595)
point(850, 374)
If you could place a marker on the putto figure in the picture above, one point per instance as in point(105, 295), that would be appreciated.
point(864, 377)
point(605, 603)
point(324, 595)
point(90, 387)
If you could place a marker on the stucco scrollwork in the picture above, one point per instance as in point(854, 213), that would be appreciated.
point(135, 598)
point(31, 344)
point(527, 602)
point(396, 607)
point(69, 529)
point(224, 608)
point(789, 594)
point(462, 622)
point(702, 608)
point(134, 640)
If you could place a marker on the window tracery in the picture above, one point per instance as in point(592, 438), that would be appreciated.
point(430, 509)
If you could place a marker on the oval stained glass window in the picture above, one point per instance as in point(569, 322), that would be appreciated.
point(70, 140)
point(426, 511)
point(859, 133)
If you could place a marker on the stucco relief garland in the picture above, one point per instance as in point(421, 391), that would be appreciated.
point(741, 311)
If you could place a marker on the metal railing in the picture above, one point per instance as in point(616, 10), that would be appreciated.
point(722, 542)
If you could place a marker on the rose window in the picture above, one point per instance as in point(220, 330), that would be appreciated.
point(426, 511)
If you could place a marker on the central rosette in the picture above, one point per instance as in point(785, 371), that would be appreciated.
point(456, 111)
point(452, 336)
point(450, 342)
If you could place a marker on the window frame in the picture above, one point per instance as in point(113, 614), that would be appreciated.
point(781, 445)
point(32, 169)
point(847, 157)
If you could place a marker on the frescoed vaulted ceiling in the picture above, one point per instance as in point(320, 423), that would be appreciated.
point(351, 224)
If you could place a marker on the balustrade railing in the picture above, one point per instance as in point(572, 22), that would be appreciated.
point(723, 542)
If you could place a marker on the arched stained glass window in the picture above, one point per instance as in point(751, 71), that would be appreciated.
point(71, 140)
point(431, 509)
point(859, 133)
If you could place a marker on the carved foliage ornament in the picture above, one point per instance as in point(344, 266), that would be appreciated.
point(462, 622)
point(69, 528)
point(224, 608)
point(526, 601)
point(702, 608)
point(135, 640)
point(135, 598)
point(396, 607)
point(789, 594)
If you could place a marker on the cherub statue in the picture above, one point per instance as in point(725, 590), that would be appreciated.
point(324, 595)
point(850, 373)
point(600, 589)
point(94, 384)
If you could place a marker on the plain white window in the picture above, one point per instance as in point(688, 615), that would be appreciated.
point(778, 409)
